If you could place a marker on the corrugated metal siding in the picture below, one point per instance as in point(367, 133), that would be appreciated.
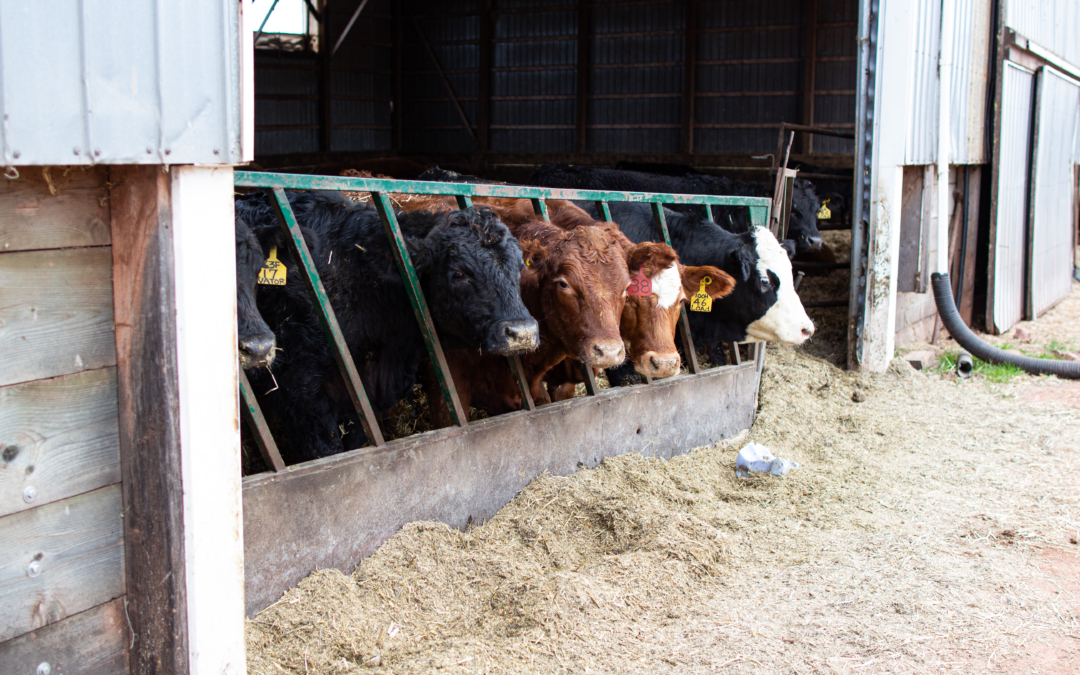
point(1010, 240)
point(286, 95)
point(1054, 190)
point(1053, 24)
point(103, 82)
point(749, 73)
point(636, 77)
point(970, 72)
point(430, 122)
point(361, 76)
point(922, 123)
point(534, 78)
point(835, 72)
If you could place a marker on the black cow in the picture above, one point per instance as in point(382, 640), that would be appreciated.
point(763, 306)
point(254, 337)
point(469, 268)
point(805, 204)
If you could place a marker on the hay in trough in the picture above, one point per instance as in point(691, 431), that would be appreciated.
point(930, 528)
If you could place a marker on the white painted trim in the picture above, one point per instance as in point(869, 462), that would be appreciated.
point(945, 67)
point(205, 277)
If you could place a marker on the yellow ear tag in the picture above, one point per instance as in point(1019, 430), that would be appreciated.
point(824, 213)
point(273, 272)
point(701, 302)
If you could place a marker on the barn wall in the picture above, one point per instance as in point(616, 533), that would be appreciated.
point(621, 90)
point(62, 576)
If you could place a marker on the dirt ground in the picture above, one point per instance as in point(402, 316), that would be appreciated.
point(931, 527)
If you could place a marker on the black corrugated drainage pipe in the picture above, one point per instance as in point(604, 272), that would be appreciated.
point(950, 318)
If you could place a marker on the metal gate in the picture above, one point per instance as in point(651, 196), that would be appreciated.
point(1053, 191)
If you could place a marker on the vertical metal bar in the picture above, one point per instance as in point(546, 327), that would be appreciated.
point(252, 414)
point(280, 203)
point(583, 58)
point(736, 352)
point(420, 308)
point(604, 211)
point(689, 74)
point(809, 73)
point(759, 216)
point(463, 201)
point(707, 208)
point(590, 380)
point(684, 321)
point(540, 209)
point(522, 382)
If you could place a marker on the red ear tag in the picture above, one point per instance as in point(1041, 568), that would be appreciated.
point(640, 284)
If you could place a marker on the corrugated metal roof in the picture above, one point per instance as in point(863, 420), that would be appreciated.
point(1057, 112)
point(922, 123)
point(1053, 24)
point(1013, 176)
point(120, 82)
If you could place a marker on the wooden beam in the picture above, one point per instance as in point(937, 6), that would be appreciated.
point(690, 74)
point(584, 26)
point(483, 117)
point(148, 402)
point(93, 642)
point(809, 72)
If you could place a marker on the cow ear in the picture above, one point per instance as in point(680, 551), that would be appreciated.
point(653, 257)
point(747, 261)
point(534, 254)
point(789, 246)
point(720, 282)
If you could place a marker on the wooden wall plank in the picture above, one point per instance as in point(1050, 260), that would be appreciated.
point(93, 642)
point(60, 559)
point(56, 313)
point(58, 438)
point(31, 217)
point(148, 403)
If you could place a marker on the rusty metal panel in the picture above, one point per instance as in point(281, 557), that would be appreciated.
point(1010, 238)
point(122, 82)
point(1052, 24)
point(1050, 268)
point(334, 511)
point(922, 123)
point(970, 73)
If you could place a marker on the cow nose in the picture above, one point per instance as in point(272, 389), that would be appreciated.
point(813, 242)
point(511, 337)
point(807, 331)
point(257, 350)
point(661, 365)
point(607, 353)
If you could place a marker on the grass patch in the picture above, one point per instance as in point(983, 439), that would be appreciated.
point(1000, 373)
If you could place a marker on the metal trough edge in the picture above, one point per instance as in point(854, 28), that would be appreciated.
point(335, 511)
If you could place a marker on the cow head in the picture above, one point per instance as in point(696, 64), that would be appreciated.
point(579, 278)
point(472, 283)
point(648, 322)
point(766, 271)
point(255, 340)
point(802, 227)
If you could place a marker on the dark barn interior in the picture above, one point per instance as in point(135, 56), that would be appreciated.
point(496, 87)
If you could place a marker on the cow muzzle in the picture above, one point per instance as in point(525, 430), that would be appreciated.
point(605, 354)
point(256, 351)
point(513, 337)
point(654, 364)
point(809, 244)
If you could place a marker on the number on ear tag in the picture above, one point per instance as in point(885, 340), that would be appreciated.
point(824, 213)
point(640, 284)
point(273, 272)
point(701, 302)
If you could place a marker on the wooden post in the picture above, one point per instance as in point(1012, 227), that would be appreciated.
point(179, 420)
point(583, 57)
point(809, 73)
point(325, 116)
point(689, 85)
point(483, 115)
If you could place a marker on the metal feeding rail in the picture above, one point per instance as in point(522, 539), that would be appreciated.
point(275, 184)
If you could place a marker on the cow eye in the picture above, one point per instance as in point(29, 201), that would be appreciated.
point(563, 284)
point(766, 286)
point(457, 276)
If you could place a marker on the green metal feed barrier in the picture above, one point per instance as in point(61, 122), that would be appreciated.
point(275, 184)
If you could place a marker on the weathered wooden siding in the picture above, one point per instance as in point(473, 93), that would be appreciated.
point(62, 576)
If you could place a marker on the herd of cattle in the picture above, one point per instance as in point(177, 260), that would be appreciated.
point(500, 280)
